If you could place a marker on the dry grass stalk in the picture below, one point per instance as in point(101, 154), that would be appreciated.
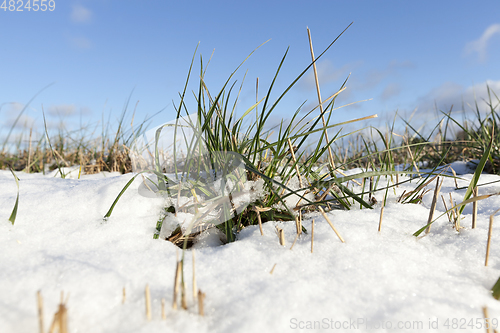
point(474, 208)
point(330, 154)
point(298, 223)
point(29, 153)
point(124, 295)
point(489, 329)
point(195, 288)
point(60, 321)
point(490, 232)
point(381, 215)
point(148, 302)
point(413, 160)
point(183, 288)
point(312, 236)
point(433, 205)
point(40, 310)
point(330, 223)
point(453, 211)
point(281, 235)
point(201, 298)
point(177, 282)
point(61, 158)
point(325, 193)
point(193, 192)
point(405, 195)
point(402, 196)
point(294, 241)
point(272, 269)
point(163, 313)
point(295, 162)
point(446, 209)
point(257, 211)
point(454, 176)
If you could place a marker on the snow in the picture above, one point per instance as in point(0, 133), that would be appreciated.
point(373, 282)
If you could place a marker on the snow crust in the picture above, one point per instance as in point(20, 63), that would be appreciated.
point(374, 282)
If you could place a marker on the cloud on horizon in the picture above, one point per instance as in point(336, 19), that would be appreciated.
point(62, 110)
point(480, 45)
point(462, 98)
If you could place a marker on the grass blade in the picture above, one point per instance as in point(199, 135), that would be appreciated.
point(12, 217)
point(477, 173)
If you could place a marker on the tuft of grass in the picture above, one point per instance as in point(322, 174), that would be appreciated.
point(220, 140)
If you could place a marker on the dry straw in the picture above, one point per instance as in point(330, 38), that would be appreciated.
point(259, 219)
point(381, 216)
point(281, 235)
point(201, 298)
point(295, 162)
point(177, 282)
point(454, 212)
point(312, 235)
point(418, 189)
point(474, 208)
point(163, 313)
point(183, 288)
point(195, 288)
point(448, 214)
point(298, 226)
point(490, 232)
point(298, 223)
point(60, 321)
point(40, 310)
point(330, 154)
point(330, 223)
point(489, 329)
point(148, 302)
point(294, 241)
point(320, 101)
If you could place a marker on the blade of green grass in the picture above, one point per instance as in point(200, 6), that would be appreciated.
point(477, 173)
point(13, 215)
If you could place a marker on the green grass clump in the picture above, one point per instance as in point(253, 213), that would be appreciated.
point(222, 139)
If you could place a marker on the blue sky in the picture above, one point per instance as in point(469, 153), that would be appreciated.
point(402, 55)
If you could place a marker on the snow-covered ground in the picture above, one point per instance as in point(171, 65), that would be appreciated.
point(386, 281)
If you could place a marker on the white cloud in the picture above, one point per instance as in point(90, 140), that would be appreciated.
point(80, 14)
point(480, 45)
point(23, 122)
point(462, 98)
point(62, 110)
point(15, 107)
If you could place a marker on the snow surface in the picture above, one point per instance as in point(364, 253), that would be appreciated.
point(371, 283)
